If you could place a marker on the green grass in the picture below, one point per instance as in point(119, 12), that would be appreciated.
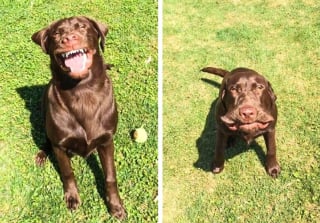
point(279, 39)
point(32, 194)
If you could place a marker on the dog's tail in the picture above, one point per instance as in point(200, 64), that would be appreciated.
point(216, 71)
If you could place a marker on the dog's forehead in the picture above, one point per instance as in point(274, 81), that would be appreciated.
point(69, 22)
point(245, 77)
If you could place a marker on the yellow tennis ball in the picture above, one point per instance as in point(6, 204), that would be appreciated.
point(140, 135)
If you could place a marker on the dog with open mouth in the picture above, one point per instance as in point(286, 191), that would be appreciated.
point(245, 107)
point(79, 106)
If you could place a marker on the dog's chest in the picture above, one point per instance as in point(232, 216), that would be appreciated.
point(85, 106)
point(80, 120)
point(88, 109)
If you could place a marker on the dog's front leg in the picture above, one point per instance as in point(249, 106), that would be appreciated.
point(106, 155)
point(71, 195)
point(221, 144)
point(272, 165)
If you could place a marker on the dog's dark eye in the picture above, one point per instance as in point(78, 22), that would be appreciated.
point(260, 86)
point(233, 88)
point(56, 34)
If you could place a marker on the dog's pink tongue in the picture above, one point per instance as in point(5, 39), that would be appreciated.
point(76, 63)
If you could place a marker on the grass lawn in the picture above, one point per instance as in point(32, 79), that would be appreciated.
point(279, 39)
point(32, 194)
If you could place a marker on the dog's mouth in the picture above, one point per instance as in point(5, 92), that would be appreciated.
point(248, 127)
point(238, 125)
point(75, 62)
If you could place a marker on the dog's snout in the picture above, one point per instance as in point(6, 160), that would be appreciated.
point(248, 112)
point(69, 39)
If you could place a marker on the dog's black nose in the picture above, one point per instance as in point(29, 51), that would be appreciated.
point(248, 112)
point(69, 39)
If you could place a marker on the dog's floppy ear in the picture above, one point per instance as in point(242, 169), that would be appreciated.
point(222, 93)
point(271, 93)
point(221, 97)
point(223, 89)
point(102, 31)
point(40, 38)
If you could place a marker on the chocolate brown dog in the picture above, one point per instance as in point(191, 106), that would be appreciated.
point(246, 107)
point(80, 110)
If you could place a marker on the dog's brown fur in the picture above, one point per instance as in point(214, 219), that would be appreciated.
point(246, 107)
point(80, 110)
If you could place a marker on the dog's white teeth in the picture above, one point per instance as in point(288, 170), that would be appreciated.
point(72, 53)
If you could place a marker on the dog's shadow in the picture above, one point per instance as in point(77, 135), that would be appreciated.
point(207, 140)
point(32, 95)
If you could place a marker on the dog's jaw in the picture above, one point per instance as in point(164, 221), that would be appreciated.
point(76, 63)
point(235, 123)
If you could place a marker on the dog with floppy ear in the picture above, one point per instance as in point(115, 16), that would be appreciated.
point(79, 106)
point(246, 108)
point(41, 39)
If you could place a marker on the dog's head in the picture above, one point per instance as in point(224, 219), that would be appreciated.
point(72, 44)
point(248, 101)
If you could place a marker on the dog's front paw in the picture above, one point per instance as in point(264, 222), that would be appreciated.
point(217, 166)
point(72, 199)
point(273, 167)
point(117, 211)
point(41, 158)
point(217, 170)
